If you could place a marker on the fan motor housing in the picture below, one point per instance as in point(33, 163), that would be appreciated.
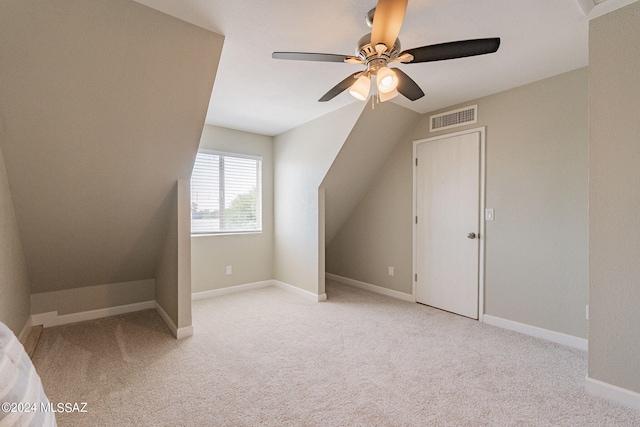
point(368, 53)
point(365, 50)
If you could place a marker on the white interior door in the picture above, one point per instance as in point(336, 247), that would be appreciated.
point(448, 223)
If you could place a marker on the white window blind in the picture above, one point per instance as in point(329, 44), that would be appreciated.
point(226, 193)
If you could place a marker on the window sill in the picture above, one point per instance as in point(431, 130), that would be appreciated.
point(231, 233)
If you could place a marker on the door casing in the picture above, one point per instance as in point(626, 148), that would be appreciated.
point(481, 273)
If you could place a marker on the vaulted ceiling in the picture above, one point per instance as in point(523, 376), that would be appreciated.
point(256, 93)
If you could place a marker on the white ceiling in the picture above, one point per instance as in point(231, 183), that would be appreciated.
point(255, 93)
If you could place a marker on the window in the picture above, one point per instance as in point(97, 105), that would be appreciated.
point(226, 193)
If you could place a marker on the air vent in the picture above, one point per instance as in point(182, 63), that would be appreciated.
point(455, 118)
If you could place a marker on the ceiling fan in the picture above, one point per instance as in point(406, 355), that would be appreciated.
point(381, 47)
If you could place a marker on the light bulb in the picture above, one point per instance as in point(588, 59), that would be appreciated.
point(360, 89)
point(387, 80)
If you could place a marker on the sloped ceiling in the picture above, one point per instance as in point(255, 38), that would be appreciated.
point(102, 106)
point(371, 142)
point(540, 38)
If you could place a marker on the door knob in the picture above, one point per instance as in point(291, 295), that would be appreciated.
point(471, 235)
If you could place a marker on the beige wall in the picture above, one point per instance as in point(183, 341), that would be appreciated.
point(166, 274)
point(378, 233)
point(183, 209)
point(537, 247)
point(14, 282)
point(537, 182)
point(102, 104)
point(344, 183)
point(614, 195)
point(96, 297)
point(173, 272)
point(370, 143)
point(302, 157)
point(250, 255)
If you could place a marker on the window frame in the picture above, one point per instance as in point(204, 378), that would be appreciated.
point(222, 190)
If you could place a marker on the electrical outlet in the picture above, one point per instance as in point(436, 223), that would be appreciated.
point(391, 271)
point(228, 269)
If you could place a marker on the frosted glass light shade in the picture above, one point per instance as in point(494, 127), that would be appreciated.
point(360, 89)
point(385, 96)
point(387, 80)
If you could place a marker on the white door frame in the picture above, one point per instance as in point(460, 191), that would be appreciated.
point(482, 131)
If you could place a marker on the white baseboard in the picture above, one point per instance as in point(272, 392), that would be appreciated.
point(172, 326)
point(373, 288)
point(614, 393)
point(185, 332)
point(534, 331)
point(26, 329)
point(45, 319)
point(93, 297)
point(179, 333)
point(300, 292)
point(257, 285)
point(52, 318)
point(230, 290)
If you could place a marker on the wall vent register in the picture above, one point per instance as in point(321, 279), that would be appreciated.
point(454, 118)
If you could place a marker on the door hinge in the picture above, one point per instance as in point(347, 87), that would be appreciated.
point(416, 161)
point(416, 277)
point(416, 219)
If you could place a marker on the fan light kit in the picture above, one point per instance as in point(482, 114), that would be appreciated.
point(381, 47)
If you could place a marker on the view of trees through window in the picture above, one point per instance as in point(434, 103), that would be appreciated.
point(226, 194)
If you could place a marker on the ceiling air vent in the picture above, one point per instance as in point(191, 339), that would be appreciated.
point(451, 119)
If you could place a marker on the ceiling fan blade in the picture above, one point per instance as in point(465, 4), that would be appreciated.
point(452, 50)
point(340, 87)
point(387, 22)
point(407, 87)
point(305, 56)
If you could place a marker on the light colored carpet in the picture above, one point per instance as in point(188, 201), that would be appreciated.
point(266, 357)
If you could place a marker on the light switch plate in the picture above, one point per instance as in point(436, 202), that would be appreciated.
point(488, 214)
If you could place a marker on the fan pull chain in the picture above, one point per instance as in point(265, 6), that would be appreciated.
point(375, 100)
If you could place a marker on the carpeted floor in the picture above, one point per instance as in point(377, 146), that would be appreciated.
point(267, 357)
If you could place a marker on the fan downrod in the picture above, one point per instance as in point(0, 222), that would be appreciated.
point(372, 57)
